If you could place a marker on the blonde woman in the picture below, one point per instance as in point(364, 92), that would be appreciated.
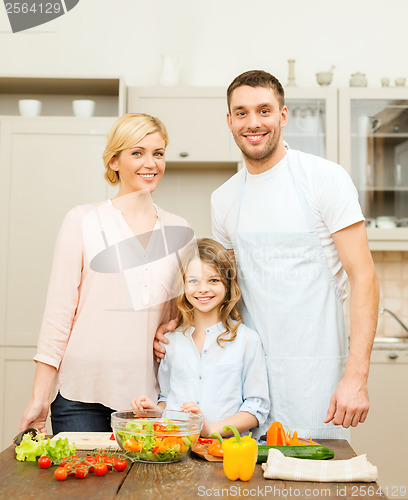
point(110, 288)
point(214, 365)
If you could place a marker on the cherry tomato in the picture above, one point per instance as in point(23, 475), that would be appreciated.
point(120, 465)
point(109, 461)
point(81, 473)
point(44, 462)
point(69, 460)
point(60, 474)
point(112, 438)
point(101, 469)
point(88, 461)
point(70, 468)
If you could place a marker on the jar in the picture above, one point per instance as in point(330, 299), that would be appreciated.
point(358, 80)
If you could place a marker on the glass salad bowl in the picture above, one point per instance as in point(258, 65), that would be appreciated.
point(153, 436)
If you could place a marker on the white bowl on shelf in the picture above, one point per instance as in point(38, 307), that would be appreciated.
point(83, 108)
point(29, 107)
point(385, 222)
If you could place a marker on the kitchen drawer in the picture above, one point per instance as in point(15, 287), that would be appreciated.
point(390, 356)
point(383, 436)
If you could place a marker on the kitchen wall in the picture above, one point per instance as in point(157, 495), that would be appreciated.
point(392, 270)
point(216, 39)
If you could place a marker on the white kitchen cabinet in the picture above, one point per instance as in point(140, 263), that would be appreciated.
point(384, 437)
point(16, 379)
point(195, 118)
point(47, 166)
point(312, 125)
point(373, 126)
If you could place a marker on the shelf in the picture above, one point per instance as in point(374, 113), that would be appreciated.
point(388, 239)
point(304, 134)
point(60, 86)
point(57, 94)
point(395, 135)
point(386, 189)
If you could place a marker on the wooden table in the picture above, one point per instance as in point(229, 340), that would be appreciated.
point(192, 477)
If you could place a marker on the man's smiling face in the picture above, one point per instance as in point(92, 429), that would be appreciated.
point(256, 121)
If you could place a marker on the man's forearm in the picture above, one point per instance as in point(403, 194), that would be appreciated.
point(364, 299)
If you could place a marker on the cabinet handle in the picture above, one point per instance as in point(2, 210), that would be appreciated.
point(393, 355)
point(184, 154)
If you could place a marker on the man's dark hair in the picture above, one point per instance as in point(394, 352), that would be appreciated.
point(257, 78)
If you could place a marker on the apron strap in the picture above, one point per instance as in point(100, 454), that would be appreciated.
point(299, 191)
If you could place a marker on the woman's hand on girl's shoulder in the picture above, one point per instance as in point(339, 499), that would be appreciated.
point(158, 350)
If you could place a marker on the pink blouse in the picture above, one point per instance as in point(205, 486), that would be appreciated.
point(106, 298)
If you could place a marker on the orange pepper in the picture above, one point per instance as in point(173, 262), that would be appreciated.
point(276, 435)
point(215, 449)
point(132, 445)
point(293, 441)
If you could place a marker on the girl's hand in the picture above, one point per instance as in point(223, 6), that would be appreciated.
point(143, 403)
point(191, 407)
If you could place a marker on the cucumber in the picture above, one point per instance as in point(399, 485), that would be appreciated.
point(313, 452)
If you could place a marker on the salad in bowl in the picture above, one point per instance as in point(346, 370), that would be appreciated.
point(150, 436)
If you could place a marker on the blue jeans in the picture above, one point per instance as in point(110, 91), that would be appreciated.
point(75, 416)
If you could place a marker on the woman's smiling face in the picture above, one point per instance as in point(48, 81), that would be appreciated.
point(141, 166)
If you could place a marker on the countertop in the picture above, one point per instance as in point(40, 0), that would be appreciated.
point(391, 343)
point(192, 477)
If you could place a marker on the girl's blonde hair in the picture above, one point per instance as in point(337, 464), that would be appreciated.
point(213, 253)
point(125, 133)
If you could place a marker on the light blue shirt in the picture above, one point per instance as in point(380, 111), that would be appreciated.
point(222, 381)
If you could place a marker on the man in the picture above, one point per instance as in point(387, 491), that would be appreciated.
point(296, 229)
point(295, 226)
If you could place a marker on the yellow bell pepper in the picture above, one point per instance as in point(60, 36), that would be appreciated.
point(240, 455)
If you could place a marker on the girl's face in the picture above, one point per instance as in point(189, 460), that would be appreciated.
point(203, 286)
point(142, 166)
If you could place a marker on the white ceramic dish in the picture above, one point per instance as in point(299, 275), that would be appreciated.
point(83, 108)
point(29, 107)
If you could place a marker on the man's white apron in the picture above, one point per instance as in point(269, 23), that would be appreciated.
point(291, 299)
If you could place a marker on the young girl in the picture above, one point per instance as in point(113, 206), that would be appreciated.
point(214, 365)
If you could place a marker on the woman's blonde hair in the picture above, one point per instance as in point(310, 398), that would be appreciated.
point(126, 132)
point(213, 253)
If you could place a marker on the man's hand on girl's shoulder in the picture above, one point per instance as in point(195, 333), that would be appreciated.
point(158, 350)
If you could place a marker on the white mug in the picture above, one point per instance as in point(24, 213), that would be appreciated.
point(29, 107)
point(83, 108)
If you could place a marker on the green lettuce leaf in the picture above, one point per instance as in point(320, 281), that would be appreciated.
point(31, 448)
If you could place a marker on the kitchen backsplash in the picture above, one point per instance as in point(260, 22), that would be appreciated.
point(392, 272)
